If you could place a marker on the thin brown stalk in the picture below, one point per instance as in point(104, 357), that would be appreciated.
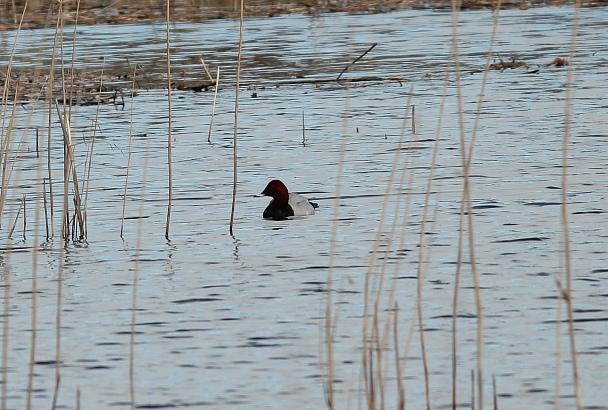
point(170, 123)
point(413, 119)
point(567, 266)
point(207, 70)
point(89, 161)
point(217, 87)
point(303, 130)
point(367, 372)
point(70, 170)
point(24, 218)
point(124, 194)
point(10, 233)
point(135, 282)
point(494, 394)
point(50, 100)
point(472, 389)
point(46, 211)
point(384, 340)
point(467, 155)
point(330, 320)
point(34, 330)
point(6, 277)
point(236, 116)
point(399, 372)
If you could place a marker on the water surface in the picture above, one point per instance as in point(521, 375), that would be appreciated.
point(235, 321)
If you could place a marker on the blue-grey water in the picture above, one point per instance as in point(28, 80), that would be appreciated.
point(237, 321)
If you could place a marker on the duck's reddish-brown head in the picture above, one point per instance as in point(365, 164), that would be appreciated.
point(277, 190)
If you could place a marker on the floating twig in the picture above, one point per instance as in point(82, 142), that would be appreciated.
point(358, 58)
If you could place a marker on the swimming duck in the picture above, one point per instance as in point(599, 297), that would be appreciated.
point(285, 204)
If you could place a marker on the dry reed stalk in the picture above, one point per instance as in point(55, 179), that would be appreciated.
point(35, 251)
point(467, 154)
point(4, 146)
point(472, 389)
point(24, 217)
point(236, 116)
point(494, 394)
point(170, 123)
point(303, 130)
point(70, 170)
point(398, 370)
point(330, 320)
point(10, 232)
point(367, 349)
point(89, 157)
point(217, 86)
point(375, 385)
point(46, 211)
point(124, 195)
point(566, 293)
point(6, 278)
point(383, 342)
point(50, 100)
point(58, 327)
point(135, 283)
point(413, 119)
point(34, 329)
point(207, 70)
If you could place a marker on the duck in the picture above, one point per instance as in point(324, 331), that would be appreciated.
point(285, 204)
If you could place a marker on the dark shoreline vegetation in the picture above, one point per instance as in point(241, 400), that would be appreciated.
point(42, 13)
point(110, 85)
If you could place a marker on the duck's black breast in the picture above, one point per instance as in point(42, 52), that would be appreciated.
point(277, 212)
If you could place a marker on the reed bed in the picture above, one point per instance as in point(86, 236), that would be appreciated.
point(384, 354)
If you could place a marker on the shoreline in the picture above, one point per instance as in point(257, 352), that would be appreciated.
point(94, 12)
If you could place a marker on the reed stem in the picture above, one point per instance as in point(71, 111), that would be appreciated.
point(170, 122)
point(236, 117)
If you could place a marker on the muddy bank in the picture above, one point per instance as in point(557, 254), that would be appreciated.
point(113, 83)
point(44, 14)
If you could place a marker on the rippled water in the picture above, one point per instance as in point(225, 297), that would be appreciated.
point(236, 322)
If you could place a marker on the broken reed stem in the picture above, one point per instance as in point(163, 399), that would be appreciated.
point(217, 86)
point(124, 194)
point(10, 233)
point(357, 59)
point(566, 294)
point(170, 122)
point(236, 116)
point(207, 70)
